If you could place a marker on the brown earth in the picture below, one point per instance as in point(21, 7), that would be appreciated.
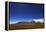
point(25, 26)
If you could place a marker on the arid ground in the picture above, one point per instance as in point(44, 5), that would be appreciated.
point(26, 26)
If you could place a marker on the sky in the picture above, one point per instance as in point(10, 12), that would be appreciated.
point(25, 12)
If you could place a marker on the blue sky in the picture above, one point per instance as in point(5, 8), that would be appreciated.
point(25, 11)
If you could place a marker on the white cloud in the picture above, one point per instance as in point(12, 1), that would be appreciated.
point(13, 22)
point(39, 20)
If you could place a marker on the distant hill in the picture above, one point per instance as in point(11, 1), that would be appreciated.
point(26, 22)
point(23, 22)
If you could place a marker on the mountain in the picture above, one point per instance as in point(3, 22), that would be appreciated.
point(23, 22)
